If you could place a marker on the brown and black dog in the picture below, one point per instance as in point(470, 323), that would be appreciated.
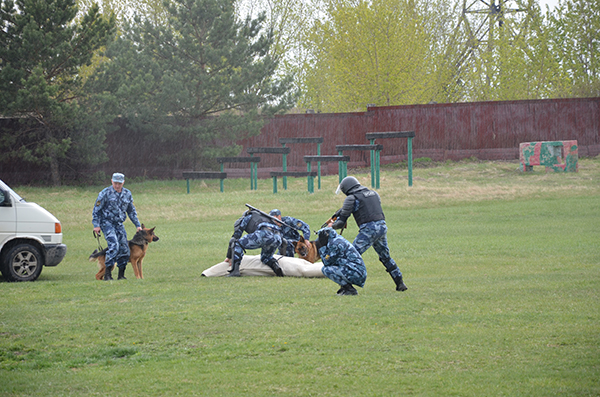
point(307, 250)
point(138, 246)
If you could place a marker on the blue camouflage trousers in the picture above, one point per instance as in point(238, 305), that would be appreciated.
point(346, 272)
point(118, 247)
point(265, 239)
point(375, 234)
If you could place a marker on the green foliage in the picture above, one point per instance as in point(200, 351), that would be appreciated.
point(41, 51)
point(371, 53)
point(503, 296)
point(395, 52)
point(202, 77)
point(576, 44)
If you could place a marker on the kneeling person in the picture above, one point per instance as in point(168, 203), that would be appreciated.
point(342, 263)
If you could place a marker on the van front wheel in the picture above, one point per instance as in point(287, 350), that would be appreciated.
point(23, 262)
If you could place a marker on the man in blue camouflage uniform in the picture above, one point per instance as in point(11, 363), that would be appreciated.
point(365, 205)
point(342, 263)
point(262, 232)
point(112, 207)
point(289, 235)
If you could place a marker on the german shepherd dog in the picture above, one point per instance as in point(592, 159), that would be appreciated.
point(137, 247)
point(307, 250)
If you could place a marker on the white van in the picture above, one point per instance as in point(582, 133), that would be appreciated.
point(30, 237)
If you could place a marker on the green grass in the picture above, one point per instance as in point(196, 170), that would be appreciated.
point(503, 300)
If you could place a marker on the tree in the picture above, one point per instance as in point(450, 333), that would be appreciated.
point(378, 52)
point(203, 77)
point(575, 42)
point(290, 21)
point(125, 9)
point(41, 51)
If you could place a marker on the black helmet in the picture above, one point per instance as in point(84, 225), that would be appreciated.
point(347, 184)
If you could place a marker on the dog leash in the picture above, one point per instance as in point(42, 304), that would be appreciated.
point(97, 236)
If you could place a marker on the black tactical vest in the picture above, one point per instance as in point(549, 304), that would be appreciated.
point(257, 219)
point(369, 208)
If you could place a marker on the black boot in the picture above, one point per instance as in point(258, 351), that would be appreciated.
point(235, 268)
point(400, 284)
point(272, 263)
point(121, 273)
point(347, 289)
point(108, 273)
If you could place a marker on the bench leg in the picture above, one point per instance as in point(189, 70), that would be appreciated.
point(377, 166)
point(188, 186)
point(372, 155)
point(311, 184)
point(274, 184)
point(410, 162)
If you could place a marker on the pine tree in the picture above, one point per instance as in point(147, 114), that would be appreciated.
point(203, 77)
point(41, 51)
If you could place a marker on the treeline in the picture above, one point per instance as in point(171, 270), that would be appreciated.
point(347, 54)
point(208, 72)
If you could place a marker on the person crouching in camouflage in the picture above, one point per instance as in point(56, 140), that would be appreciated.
point(365, 205)
point(262, 232)
point(289, 234)
point(113, 205)
point(342, 263)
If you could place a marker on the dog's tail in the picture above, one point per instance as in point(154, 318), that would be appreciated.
point(96, 254)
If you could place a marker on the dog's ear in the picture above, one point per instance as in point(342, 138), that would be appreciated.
point(295, 243)
point(301, 239)
point(152, 230)
point(143, 227)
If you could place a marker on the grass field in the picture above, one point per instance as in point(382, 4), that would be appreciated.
point(503, 300)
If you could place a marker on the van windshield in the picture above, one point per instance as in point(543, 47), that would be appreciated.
point(6, 188)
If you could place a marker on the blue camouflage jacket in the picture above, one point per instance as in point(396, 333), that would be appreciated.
point(114, 207)
point(339, 251)
point(291, 234)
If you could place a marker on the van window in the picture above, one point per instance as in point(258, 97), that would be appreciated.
point(6, 188)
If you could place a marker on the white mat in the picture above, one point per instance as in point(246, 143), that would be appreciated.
point(252, 266)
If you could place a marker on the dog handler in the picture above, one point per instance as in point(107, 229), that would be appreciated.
point(365, 205)
point(113, 205)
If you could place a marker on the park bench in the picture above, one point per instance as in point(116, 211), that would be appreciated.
point(238, 159)
point(344, 148)
point(338, 158)
point(296, 174)
point(317, 140)
point(187, 175)
point(265, 150)
point(375, 155)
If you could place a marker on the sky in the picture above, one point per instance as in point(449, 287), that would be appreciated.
point(550, 3)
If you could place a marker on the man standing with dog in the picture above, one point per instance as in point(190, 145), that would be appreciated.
point(262, 232)
point(365, 205)
point(113, 205)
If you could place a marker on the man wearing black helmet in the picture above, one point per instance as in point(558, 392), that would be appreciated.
point(365, 205)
